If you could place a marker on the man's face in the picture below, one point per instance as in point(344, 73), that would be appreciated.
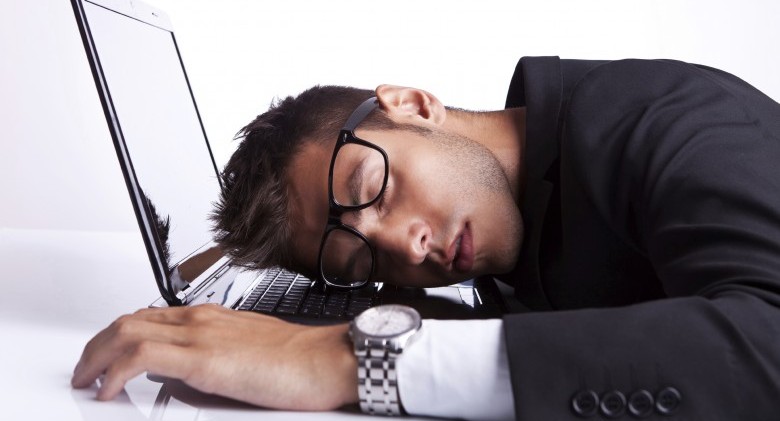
point(447, 214)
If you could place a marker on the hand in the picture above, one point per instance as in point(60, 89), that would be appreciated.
point(241, 355)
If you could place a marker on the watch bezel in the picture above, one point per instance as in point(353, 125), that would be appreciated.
point(414, 326)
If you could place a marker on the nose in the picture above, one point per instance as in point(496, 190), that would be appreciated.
point(407, 242)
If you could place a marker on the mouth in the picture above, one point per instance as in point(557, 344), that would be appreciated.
point(462, 251)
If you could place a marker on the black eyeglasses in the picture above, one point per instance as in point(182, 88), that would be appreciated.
point(356, 180)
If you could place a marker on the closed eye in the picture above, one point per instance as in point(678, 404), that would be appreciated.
point(384, 199)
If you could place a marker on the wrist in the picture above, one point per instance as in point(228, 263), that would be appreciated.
point(347, 362)
point(335, 365)
point(321, 362)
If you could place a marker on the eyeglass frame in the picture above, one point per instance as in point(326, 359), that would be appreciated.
point(336, 210)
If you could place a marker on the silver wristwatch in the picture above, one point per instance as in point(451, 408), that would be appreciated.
point(380, 334)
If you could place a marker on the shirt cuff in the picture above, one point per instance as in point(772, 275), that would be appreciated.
point(459, 369)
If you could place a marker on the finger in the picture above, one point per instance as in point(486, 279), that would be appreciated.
point(159, 358)
point(186, 315)
point(167, 315)
point(115, 340)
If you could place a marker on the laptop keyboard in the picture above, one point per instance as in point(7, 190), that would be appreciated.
point(281, 292)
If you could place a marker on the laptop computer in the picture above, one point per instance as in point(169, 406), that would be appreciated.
point(173, 181)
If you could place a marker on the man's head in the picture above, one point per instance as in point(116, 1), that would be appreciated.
point(446, 214)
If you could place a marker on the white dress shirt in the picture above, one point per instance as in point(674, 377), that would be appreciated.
point(458, 369)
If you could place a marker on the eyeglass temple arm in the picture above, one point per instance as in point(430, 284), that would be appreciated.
point(360, 113)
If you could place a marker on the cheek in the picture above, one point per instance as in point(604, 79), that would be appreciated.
point(430, 184)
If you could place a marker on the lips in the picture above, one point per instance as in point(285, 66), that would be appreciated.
point(464, 251)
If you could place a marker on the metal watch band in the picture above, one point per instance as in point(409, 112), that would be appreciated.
point(377, 380)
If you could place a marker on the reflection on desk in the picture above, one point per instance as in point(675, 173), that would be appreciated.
point(175, 401)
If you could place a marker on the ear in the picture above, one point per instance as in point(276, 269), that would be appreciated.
point(410, 105)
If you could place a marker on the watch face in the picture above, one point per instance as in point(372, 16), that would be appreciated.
point(387, 320)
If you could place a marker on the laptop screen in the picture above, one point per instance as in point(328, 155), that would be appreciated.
point(161, 128)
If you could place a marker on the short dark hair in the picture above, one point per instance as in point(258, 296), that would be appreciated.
point(251, 217)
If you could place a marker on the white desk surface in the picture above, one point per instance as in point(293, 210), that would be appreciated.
point(59, 288)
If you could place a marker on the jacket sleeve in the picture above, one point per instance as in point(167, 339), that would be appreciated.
point(683, 162)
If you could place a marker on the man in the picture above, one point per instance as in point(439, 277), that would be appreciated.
point(637, 199)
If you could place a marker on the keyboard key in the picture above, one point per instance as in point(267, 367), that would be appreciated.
point(267, 303)
point(356, 308)
point(314, 299)
point(311, 311)
point(272, 295)
point(286, 277)
point(286, 309)
point(291, 302)
point(333, 312)
point(264, 308)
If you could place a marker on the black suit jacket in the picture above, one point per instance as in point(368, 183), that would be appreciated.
point(652, 212)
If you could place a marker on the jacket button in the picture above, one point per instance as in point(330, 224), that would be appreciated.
point(640, 404)
point(613, 404)
point(585, 403)
point(668, 400)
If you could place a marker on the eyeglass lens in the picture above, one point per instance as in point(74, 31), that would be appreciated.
point(358, 175)
point(346, 258)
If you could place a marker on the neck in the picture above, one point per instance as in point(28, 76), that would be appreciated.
point(502, 133)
